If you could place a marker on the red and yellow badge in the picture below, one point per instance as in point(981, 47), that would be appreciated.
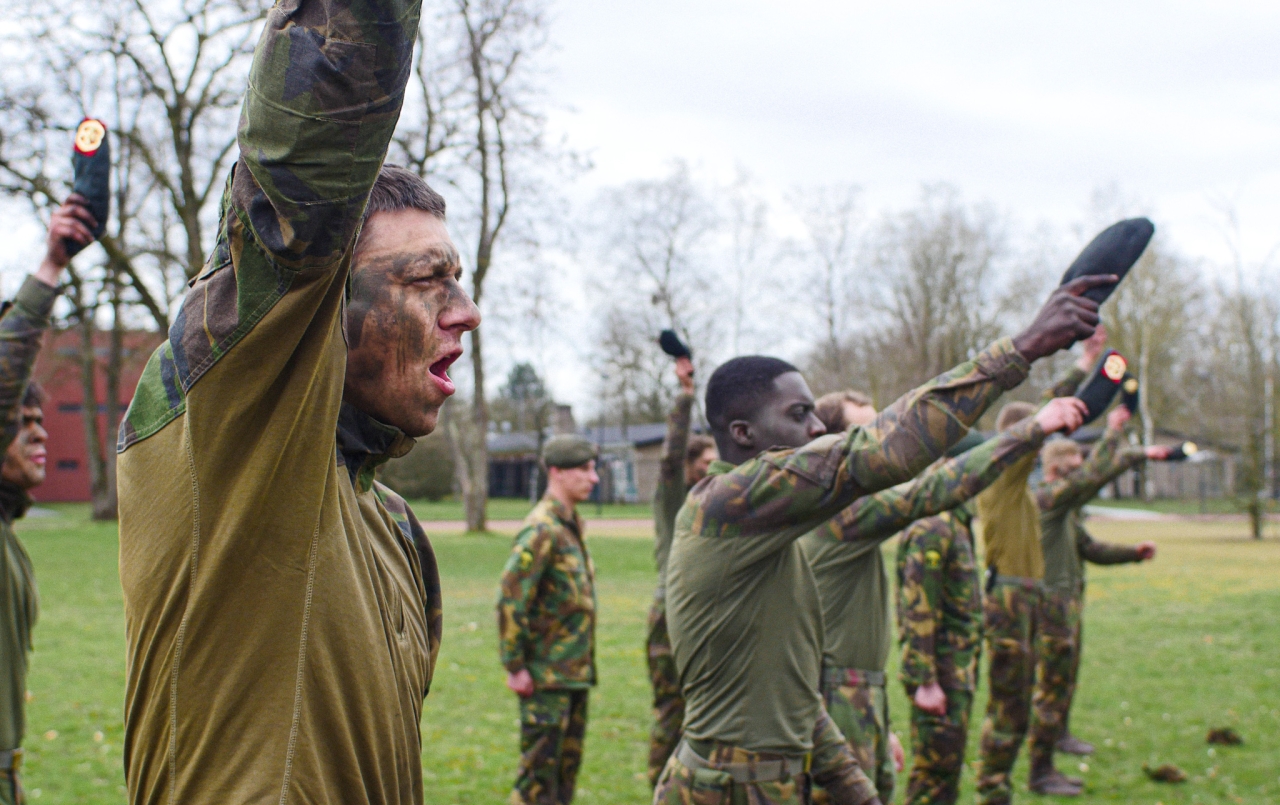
point(1114, 367)
point(1131, 385)
point(89, 136)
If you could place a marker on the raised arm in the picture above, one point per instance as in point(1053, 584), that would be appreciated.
point(1107, 553)
point(942, 486)
point(669, 496)
point(528, 560)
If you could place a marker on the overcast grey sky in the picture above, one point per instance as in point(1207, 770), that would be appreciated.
point(1028, 105)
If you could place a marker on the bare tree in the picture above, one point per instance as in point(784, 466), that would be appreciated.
point(833, 224)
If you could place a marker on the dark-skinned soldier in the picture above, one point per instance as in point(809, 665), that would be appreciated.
point(1010, 523)
point(22, 436)
point(1070, 481)
point(282, 609)
point(742, 604)
point(684, 462)
point(853, 584)
point(547, 626)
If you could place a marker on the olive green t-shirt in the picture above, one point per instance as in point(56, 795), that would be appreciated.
point(1009, 522)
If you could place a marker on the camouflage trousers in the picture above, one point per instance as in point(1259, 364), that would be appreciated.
point(1010, 621)
point(1057, 662)
point(668, 704)
point(937, 748)
point(553, 724)
point(861, 711)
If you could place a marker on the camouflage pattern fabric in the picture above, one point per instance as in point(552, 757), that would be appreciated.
point(553, 724)
point(1056, 655)
point(939, 603)
point(21, 329)
point(1010, 615)
point(937, 748)
point(742, 605)
point(547, 600)
point(861, 712)
point(668, 704)
point(832, 767)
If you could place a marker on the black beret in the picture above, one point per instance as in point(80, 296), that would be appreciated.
point(1113, 251)
point(567, 451)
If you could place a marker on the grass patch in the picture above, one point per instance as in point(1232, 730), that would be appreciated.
point(1173, 648)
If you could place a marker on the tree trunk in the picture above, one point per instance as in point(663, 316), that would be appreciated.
point(115, 364)
point(476, 497)
point(100, 486)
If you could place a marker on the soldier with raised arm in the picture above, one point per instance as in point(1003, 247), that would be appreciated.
point(684, 462)
point(1071, 481)
point(742, 605)
point(22, 439)
point(282, 609)
point(853, 584)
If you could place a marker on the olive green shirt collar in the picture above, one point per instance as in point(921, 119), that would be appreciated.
point(364, 444)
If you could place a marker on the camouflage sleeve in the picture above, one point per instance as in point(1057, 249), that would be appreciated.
point(325, 92)
point(780, 495)
point(920, 593)
point(1103, 553)
point(21, 329)
point(1106, 461)
point(835, 767)
point(940, 488)
point(529, 557)
point(669, 496)
point(1064, 386)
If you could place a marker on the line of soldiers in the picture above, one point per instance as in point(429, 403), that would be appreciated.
point(815, 602)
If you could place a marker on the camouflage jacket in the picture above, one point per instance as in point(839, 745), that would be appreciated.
point(21, 330)
point(853, 584)
point(669, 496)
point(1060, 502)
point(547, 600)
point(282, 611)
point(742, 603)
point(939, 602)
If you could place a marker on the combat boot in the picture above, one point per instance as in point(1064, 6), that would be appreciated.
point(1045, 779)
point(1071, 745)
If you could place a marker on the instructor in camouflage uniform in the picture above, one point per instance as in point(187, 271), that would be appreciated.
point(547, 626)
point(282, 609)
point(742, 604)
point(22, 436)
point(853, 584)
point(1071, 481)
point(684, 462)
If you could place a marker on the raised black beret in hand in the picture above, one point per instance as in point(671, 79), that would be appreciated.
point(91, 162)
point(672, 345)
point(1129, 393)
point(1113, 251)
point(1102, 385)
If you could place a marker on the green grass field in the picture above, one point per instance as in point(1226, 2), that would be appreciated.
point(1172, 649)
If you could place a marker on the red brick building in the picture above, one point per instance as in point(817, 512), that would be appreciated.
point(58, 370)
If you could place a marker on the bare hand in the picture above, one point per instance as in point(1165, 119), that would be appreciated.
point(1158, 452)
point(895, 749)
point(931, 699)
point(1118, 416)
point(1062, 414)
point(521, 682)
point(71, 221)
point(684, 373)
point(1145, 550)
point(1093, 347)
point(1065, 319)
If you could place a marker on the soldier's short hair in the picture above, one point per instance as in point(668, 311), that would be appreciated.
point(1013, 413)
point(398, 188)
point(738, 387)
point(830, 408)
point(698, 444)
point(1058, 450)
point(34, 396)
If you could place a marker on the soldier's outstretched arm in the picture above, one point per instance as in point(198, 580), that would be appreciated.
point(529, 558)
point(1108, 459)
point(943, 486)
point(1104, 553)
point(836, 769)
point(669, 496)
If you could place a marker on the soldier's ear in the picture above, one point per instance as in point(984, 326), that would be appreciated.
point(741, 433)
